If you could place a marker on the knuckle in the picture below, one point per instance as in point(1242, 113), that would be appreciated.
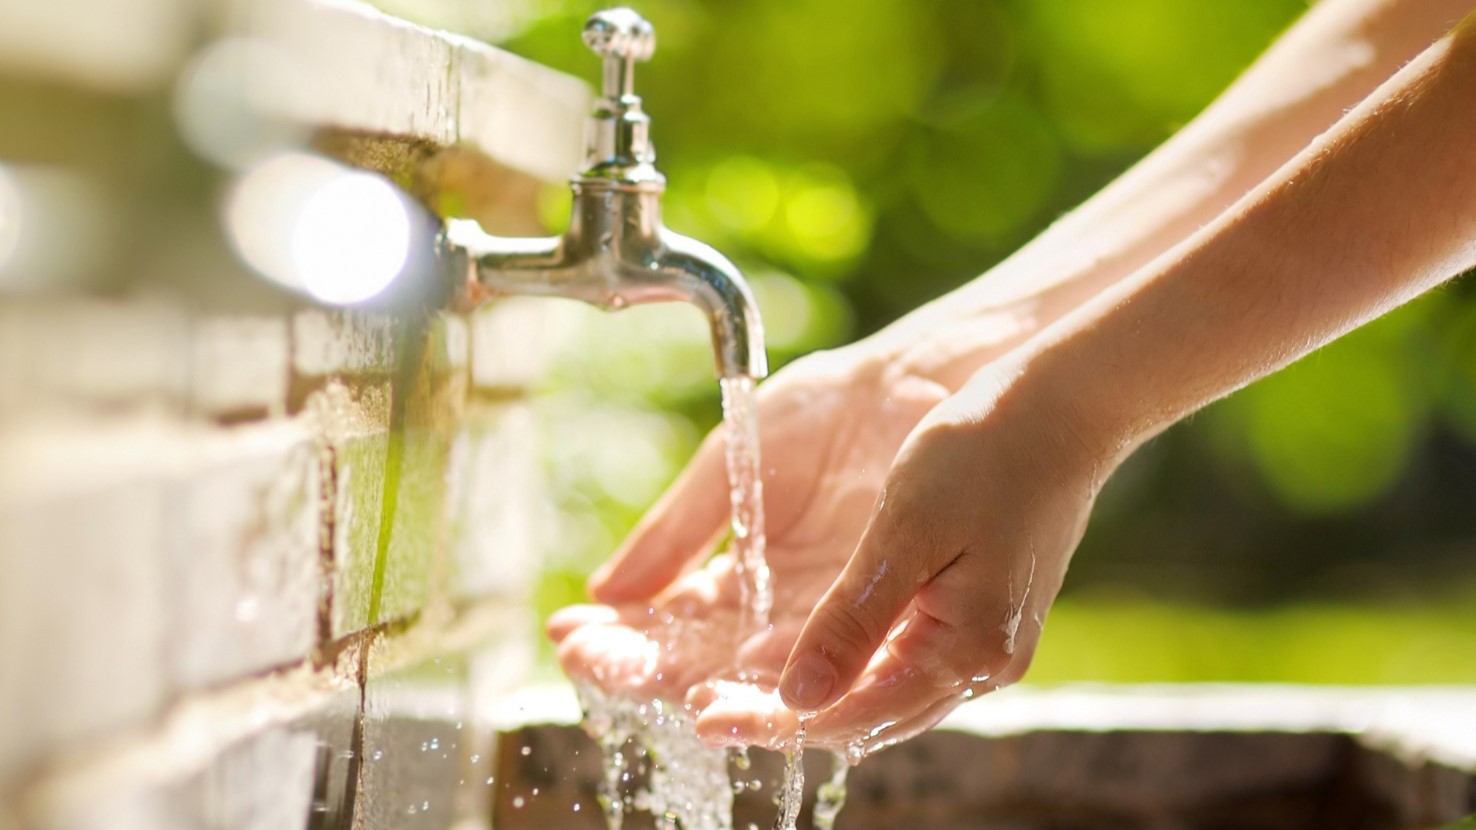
point(847, 634)
point(983, 655)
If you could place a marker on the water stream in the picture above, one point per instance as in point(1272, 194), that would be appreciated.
point(686, 783)
point(746, 489)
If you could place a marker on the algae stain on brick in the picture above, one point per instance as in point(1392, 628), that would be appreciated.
point(413, 486)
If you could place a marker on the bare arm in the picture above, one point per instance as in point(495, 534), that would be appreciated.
point(1324, 65)
point(990, 493)
point(837, 419)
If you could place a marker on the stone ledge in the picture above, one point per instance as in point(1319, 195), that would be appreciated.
point(351, 68)
point(1174, 756)
point(386, 76)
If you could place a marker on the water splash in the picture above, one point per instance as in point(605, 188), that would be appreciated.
point(746, 489)
point(687, 786)
point(686, 782)
point(831, 796)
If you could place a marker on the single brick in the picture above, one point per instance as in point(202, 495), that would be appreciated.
point(77, 354)
point(85, 513)
point(415, 488)
point(342, 343)
point(415, 510)
point(245, 580)
point(239, 366)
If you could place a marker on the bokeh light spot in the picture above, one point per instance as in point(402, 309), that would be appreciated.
point(824, 217)
point(214, 107)
point(351, 239)
point(340, 235)
point(742, 192)
point(1335, 430)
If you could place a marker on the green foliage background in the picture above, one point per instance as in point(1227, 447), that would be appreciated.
point(858, 159)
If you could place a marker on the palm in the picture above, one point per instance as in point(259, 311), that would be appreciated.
point(828, 437)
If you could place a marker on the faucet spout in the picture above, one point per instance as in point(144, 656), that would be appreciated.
point(710, 281)
point(617, 271)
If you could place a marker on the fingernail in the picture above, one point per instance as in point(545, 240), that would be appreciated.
point(808, 682)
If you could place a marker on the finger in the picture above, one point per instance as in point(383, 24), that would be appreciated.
point(742, 714)
point(909, 684)
point(565, 620)
point(859, 609)
point(928, 718)
point(681, 527)
point(613, 657)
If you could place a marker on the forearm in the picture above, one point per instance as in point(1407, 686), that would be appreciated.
point(1377, 210)
point(1330, 60)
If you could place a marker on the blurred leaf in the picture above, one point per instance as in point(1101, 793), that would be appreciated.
point(1336, 429)
point(1128, 73)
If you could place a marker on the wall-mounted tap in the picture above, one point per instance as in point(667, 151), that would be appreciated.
point(616, 251)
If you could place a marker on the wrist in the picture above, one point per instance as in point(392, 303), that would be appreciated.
point(1039, 400)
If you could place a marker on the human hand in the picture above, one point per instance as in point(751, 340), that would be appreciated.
point(830, 426)
point(948, 589)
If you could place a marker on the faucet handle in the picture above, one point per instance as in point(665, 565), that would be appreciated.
point(623, 38)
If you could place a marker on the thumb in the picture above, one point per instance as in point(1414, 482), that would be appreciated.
point(675, 532)
point(853, 618)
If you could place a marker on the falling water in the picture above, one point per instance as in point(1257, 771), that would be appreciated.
point(746, 489)
point(792, 791)
point(686, 783)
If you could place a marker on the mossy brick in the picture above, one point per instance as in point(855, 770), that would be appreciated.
point(246, 577)
point(85, 511)
point(354, 436)
point(417, 528)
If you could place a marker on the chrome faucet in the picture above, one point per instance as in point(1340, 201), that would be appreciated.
point(616, 251)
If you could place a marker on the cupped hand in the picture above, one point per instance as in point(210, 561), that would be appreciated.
point(950, 583)
point(830, 426)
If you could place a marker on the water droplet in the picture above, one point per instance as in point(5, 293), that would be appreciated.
point(526, 751)
point(476, 758)
point(518, 802)
point(577, 805)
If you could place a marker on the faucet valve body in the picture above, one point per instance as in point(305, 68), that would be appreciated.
point(617, 251)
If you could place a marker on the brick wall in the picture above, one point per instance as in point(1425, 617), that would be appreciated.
point(263, 563)
point(261, 571)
